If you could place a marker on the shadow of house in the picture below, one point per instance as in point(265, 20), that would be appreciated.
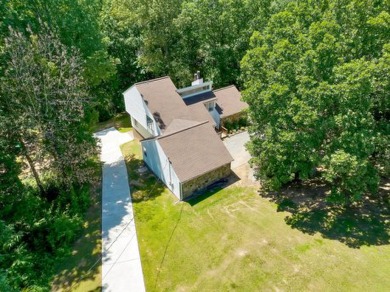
point(366, 223)
point(210, 190)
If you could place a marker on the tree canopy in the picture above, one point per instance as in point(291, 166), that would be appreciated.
point(47, 152)
point(314, 82)
point(314, 73)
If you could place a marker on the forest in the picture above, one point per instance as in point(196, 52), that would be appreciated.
point(314, 73)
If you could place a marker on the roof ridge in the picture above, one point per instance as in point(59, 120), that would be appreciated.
point(232, 85)
point(152, 80)
point(183, 119)
point(182, 130)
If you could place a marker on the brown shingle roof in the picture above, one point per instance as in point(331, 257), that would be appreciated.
point(198, 112)
point(189, 139)
point(178, 125)
point(229, 101)
point(162, 99)
point(195, 151)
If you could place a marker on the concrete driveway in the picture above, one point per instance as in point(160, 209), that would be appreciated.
point(236, 147)
point(121, 263)
point(240, 165)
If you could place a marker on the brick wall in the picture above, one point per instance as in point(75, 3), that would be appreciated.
point(205, 180)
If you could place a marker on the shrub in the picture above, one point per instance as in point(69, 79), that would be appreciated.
point(63, 231)
point(228, 125)
point(74, 201)
point(243, 121)
point(235, 125)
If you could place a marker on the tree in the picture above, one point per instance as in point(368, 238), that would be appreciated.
point(212, 38)
point(76, 24)
point(313, 95)
point(48, 111)
point(123, 34)
point(10, 169)
point(178, 38)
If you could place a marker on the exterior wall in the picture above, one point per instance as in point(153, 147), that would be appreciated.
point(140, 129)
point(158, 162)
point(195, 89)
point(189, 187)
point(216, 117)
point(138, 110)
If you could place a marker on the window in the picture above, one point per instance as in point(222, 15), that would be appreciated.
point(209, 105)
point(144, 150)
point(149, 121)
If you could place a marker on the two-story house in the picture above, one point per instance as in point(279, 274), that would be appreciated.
point(177, 126)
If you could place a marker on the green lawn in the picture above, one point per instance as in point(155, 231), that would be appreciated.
point(120, 121)
point(237, 240)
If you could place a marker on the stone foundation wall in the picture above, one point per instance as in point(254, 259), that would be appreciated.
point(201, 182)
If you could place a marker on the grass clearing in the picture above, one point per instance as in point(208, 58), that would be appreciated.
point(120, 121)
point(236, 240)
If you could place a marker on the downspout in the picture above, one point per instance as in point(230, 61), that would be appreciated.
point(170, 174)
point(181, 191)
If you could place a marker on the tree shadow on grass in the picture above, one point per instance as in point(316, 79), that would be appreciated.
point(85, 261)
point(365, 223)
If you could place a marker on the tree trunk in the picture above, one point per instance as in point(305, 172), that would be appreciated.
point(32, 167)
point(296, 177)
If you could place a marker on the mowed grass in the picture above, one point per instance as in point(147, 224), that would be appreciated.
point(236, 240)
point(120, 121)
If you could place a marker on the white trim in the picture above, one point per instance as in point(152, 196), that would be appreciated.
point(182, 91)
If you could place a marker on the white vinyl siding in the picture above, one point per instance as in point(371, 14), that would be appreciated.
point(142, 119)
point(158, 162)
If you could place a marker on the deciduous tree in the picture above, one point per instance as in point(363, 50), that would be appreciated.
point(45, 98)
point(316, 95)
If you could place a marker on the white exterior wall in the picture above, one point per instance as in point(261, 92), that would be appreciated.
point(158, 162)
point(140, 129)
point(216, 117)
point(195, 89)
point(138, 110)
